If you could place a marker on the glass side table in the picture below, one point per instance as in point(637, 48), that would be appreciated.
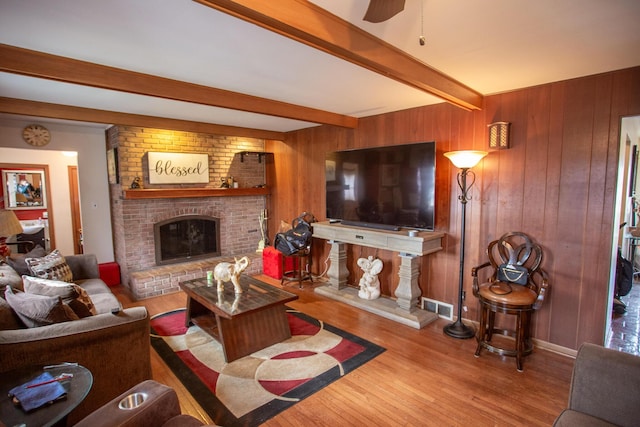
point(52, 415)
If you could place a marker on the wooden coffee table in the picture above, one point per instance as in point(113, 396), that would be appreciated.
point(242, 323)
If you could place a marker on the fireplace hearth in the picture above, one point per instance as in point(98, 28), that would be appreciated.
point(186, 238)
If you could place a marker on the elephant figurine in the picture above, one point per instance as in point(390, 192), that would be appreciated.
point(226, 305)
point(227, 272)
point(369, 283)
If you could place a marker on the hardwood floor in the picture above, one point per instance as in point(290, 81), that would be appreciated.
point(424, 378)
point(625, 327)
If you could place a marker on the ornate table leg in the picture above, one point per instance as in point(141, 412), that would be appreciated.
point(408, 290)
point(338, 272)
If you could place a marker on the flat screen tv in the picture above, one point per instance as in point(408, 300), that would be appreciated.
point(389, 187)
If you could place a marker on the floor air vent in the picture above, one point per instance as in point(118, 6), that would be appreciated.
point(442, 309)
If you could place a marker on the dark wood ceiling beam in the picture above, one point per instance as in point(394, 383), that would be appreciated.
point(307, 23)
point(67, 112)
point(43, 65)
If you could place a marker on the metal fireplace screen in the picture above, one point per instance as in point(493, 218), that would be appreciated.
point(186, 238)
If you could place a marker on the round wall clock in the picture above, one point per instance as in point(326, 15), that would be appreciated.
point(36, 135)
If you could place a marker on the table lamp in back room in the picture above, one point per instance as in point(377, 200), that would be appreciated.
point(9, 225)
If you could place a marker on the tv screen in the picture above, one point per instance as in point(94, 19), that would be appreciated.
point(383, 187)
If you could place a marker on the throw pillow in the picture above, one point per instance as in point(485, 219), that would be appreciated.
point(49, 288)
point(52, 266)
point(8, 277)
point(8, 318)
point(73, 295)
point(83, 306)
point(37, 310)
point(17, 261)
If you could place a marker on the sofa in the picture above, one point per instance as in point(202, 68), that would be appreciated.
point(113, 343)
point(147, 404)
point(605, 389)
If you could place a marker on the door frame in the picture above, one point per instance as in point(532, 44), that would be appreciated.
point(76, 213)
point(624, 190)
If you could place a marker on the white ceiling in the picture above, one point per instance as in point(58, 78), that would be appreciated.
point(491, 46)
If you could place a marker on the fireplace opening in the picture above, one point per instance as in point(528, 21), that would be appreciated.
point(186, 238)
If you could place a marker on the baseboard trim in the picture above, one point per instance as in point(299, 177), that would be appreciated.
point(554, 348)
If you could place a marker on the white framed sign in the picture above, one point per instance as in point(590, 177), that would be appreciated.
point(178, 168)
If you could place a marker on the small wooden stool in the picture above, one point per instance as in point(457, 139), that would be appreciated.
point(301, 269)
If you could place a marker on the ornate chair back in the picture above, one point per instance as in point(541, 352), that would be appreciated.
point(516, 285)
point(516, 260)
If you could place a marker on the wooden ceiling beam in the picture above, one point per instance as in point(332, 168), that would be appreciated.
point(68, 112)
point(314, 26)
point(43, 65)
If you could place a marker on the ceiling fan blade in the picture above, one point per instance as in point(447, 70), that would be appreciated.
point(381, 10)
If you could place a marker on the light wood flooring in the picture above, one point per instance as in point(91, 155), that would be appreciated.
point(625, 327)
point(424, 378)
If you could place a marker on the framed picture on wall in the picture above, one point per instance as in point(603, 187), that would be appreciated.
point(112, 166)
point(330, 170)
point(24, 189)
point(178, 168)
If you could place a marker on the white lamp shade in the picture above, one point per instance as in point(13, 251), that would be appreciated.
point(9, 223)
point(465, 159)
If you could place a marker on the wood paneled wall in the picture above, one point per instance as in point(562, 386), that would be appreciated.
point(556, 183)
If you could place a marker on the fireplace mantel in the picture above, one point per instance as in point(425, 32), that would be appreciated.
point(183, 193)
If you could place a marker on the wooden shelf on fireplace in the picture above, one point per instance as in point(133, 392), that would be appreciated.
point(183, 193)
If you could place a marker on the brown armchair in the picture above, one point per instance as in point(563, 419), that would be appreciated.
point(516, 286)
point(605, 387)
point(146, 404)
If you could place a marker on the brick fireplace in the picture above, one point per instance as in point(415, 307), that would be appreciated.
point(133, 219)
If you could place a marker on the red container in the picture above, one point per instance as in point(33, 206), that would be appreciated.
point(272, 262)
point(110, 273)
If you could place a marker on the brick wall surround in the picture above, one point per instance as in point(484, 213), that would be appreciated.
point(132, 220)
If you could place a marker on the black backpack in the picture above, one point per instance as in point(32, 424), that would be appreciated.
point(299, 237)
point(624, 275)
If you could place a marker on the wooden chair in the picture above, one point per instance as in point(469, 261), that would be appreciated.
point(301, 269)
point(516, 286)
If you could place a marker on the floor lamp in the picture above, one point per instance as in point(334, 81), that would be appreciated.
point(463, 160)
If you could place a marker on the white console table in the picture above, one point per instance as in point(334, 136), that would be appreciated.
point(409, 248)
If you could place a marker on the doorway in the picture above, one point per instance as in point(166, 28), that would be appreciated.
point(625, 215)
point(76, 214)
point(33, 212)
point(57, 213)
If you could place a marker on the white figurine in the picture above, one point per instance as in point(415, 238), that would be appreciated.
point(369, 283)
point(225, 272)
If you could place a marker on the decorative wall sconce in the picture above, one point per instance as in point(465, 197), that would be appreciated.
point(499, 135)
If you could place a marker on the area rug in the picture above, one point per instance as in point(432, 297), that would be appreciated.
point(250, 390)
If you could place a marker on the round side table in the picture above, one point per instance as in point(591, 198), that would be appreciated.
point(52, 415)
